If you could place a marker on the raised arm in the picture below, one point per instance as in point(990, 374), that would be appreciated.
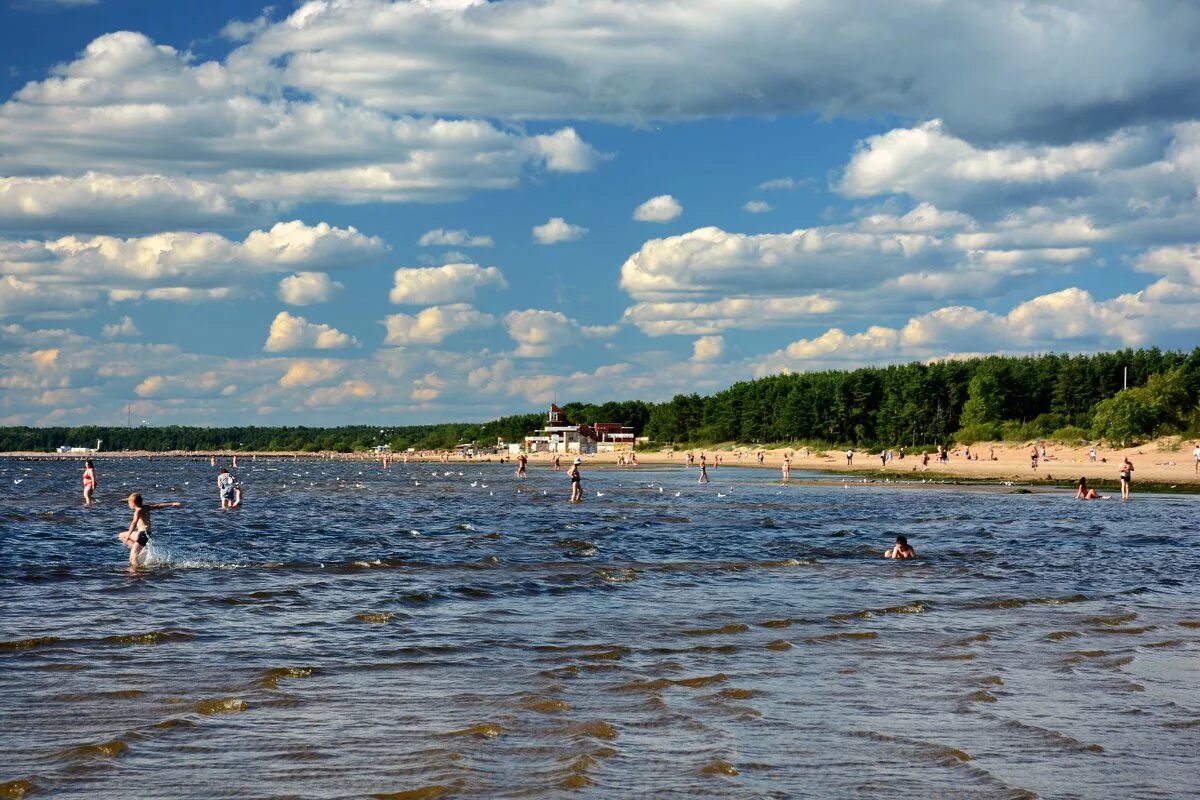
point(159, 506)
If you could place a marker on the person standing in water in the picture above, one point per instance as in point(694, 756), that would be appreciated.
point(89, 482)
point(522, 460)
point(703, 472)
point(1126, 475)
point(576, 481)
point(228, 490)
point(137, 537)
point(786, 469)
point(557, 464)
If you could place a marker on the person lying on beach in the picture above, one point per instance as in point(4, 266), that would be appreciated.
point(137, 537)
point(902, 549)
point(1084, 493)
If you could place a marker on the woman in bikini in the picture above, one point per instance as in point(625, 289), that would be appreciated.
point(89, 482)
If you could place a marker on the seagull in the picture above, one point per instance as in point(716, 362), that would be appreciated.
point(677, 494)
point(17, 480)
point(722, 495)
point(660, 490)
point(599, 494)
point(474, 484)
point(416, 483)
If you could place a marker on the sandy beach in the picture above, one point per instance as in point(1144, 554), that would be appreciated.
point(1166, 461)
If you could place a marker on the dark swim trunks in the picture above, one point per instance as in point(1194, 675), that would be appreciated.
point(143, 538)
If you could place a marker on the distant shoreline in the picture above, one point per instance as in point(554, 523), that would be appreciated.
point(1163, 466)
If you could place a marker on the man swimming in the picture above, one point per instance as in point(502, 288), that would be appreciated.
point(902, 550)
point(137, 537)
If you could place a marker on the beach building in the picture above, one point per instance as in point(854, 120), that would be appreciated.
point(66, 448)
point(562, 436)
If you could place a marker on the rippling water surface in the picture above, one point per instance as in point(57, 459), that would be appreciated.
point(356, 632)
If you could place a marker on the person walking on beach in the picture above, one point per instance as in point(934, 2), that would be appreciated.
point(227, 489)
point(1126, 475)
point(576, 481)
point(849, 457)
point(925, 462)
point(89, 482)
point(1196, 457)
point(137, 537)
point(1033, 457)
point(902, 550)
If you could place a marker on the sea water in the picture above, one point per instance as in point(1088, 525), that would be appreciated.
point(449, 631)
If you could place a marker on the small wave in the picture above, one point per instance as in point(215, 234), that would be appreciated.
point(720, 767)
point(223, 705)
point(150, 637)
point(431, 792)
point(375, 616)
point(1021, 602)
point(273, 676)
point(17, 789)
point(29, 644)
point(484, 730)
point(732, 628)
point(114, 748)
point(597, 729)
point(837, 637)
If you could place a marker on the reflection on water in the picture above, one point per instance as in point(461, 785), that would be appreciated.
point(422, 633)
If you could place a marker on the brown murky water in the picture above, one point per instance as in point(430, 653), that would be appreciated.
point(351, 633)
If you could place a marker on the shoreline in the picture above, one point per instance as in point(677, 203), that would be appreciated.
point(1163, 466)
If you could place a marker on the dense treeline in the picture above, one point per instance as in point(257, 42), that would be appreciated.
point(972, 400)
point(1016, 399)
point(304, 439)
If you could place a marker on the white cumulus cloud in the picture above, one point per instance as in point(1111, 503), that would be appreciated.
point(556, 230)
point(662, 208)
point(124, 328)
point(290, 332)
point(308, 288)
point(708, 348)
point(449, 283)
point(434, 324)
point(440, 237)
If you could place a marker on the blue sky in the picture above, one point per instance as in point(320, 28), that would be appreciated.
point(214, 212)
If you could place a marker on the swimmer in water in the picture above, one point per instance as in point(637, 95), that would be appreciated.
point(703, 472)
point(1084, 493)
point(902, 550)
point(89, 482)
point(137, 537)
